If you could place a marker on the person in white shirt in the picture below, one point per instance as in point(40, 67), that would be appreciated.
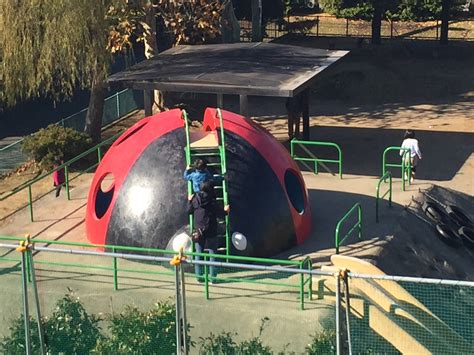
point(411, 143)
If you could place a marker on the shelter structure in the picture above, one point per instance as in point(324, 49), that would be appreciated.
point(244, 69)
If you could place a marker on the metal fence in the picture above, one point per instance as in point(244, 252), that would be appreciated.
point(116, 106)
point(331, 26)
point(350, 313)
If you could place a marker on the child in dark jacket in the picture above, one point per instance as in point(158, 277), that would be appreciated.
point(204, 206)
point(199, 174)
point(58, 176)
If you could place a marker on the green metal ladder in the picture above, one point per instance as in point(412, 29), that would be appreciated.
point(215, 157)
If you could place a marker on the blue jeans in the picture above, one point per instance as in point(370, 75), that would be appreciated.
point(198, 269)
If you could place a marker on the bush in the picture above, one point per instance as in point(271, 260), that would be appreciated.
point(137, 332)
point(55, 141)
point(322, 343)
point(15, 342)
point(223, 344)
point(70, 330)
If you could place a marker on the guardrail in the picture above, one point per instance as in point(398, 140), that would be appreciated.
point(388, 175)
point(405, 165)
point(65, 166)
point(358, 225)
point(305, 264)
point(313, 158)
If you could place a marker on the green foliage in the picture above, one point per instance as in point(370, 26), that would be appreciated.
point(71, 330)
point(50, 47)
point(15, 342)
point(322, 343)
point(223, 344)
point(55, 141)
point(142, 332)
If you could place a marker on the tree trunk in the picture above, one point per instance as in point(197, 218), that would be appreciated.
point(151, 47)
point(230, 27)
point(445, 7)
point(256, 20)
point(377, 23)
point(95, 111)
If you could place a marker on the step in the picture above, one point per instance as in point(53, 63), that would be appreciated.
point(204, 154)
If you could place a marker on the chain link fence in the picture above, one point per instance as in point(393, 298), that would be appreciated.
point(116, 106)
point(160, 305)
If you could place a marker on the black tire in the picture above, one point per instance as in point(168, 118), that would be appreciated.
point(458, 216)
point(448, 236)
point(467, 236)
point(433, 212)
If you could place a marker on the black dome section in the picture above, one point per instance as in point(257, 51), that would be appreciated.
point(259, 208)
point(151, 205)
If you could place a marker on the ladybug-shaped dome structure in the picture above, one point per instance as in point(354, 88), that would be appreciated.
point(138, 195)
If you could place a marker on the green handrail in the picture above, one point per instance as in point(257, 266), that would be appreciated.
point(405, 165)
point(314, 158)
point(306, 263)
point(388, 175)
point(187, 151)
point(224, 181)
point(358, 225)
point(64, 166)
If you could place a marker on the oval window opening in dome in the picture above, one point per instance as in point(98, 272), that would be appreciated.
point(295, 191)
point(105, 192)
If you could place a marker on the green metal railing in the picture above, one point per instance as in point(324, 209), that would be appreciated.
point(66, 167)
point(304, 283)
point(388, 175)
point(116, 106)
point(313, 158)
point(225, 196)
point(358, 226)
point(405, 165)
point(187, 152)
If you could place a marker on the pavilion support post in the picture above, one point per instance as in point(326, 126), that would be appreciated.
point(148, 102)
point(244, 105)
point(305, 103)
point(220, 100)
point(256, 20)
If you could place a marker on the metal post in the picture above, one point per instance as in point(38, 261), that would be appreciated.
point(183, 323)
point(244, 103)
point(38, 310)
point(178, 313)
point(391, 29)
point(30, 203)
point(118, 105)
point(377, 205)
point(347, 27)
point(99, 153)
point(359, 215)
point(317, 26)
point(338, 315)
point(220, 100)
point(66, 172)
point(348, 312)
point(26, 315)
point(206, 279)
point(114, 262)
point(302, 288)
point(305, 114)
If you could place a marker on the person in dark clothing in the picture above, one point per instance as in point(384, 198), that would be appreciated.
point(204, 207)
point(294, 108)
point(58, 176)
